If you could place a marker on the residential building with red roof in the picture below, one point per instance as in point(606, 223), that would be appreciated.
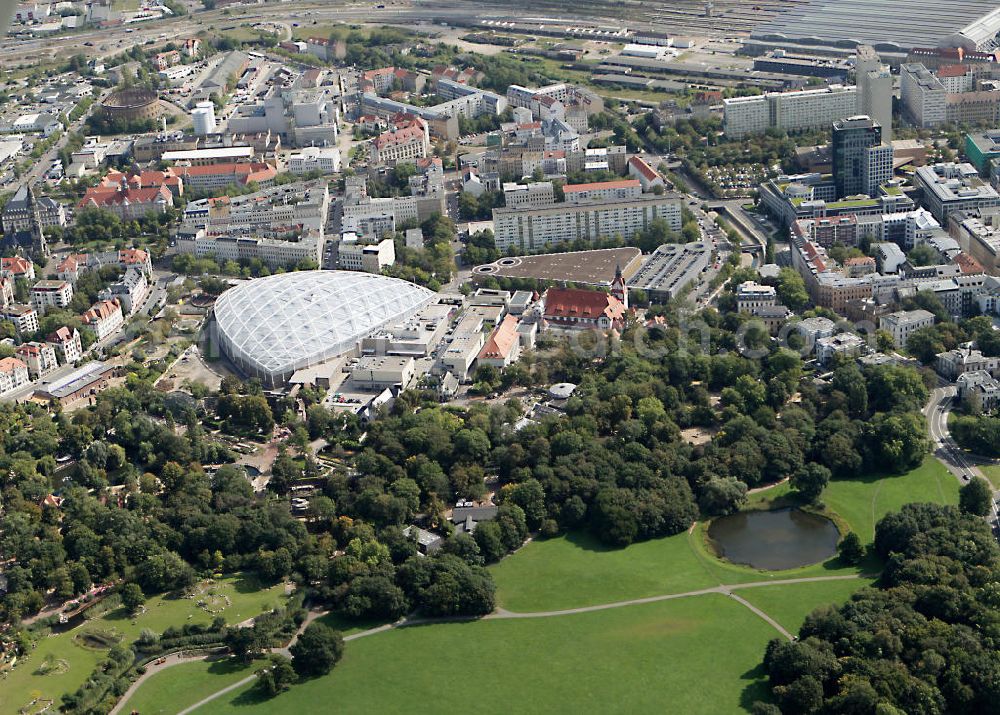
point(146, 179)
point(326, 49)
point(70, 268)
point(163, 60)
point(859, 266)
point(137, 258)
point(103, 318)
point(219, 176)
point(378, 81)
point(381, 81)
point(39, 357)
point(67, 343)
point(503, 346)
point(126, 202)
point(574, 308)
point(647, 176)
point(462, 76)
point(410, 140)
point(13, 374)
point(17, 267)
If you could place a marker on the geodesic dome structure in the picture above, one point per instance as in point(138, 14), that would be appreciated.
point(271, 327)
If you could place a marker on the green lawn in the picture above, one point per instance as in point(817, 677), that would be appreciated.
point(180, 686)
point(649, 658)
point(23, 684)
point(865, 500)
point(789, 604)
point(348, 626)
point(992, 472)
point(577, 570)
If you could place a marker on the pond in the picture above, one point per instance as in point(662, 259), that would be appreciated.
point(774, 540)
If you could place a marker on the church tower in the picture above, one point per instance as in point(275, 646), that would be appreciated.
point(618, 288)
point(39, 246)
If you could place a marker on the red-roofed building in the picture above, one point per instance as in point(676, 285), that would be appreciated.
point(103, 318)
point(622, 190)
point(573, 308)
point(429, 163)
point(463, 76)
point(13, 374)
point(378, 81)
point(859, 266)
point(70, 268)
point(934, 57)
point(163, 60)
point(503, 347)
point(968, 264)
point(135, 257)
point(126, 202)
point(646, 175)
point(372, 123)
point(410, 140)
point(17, 267)
point(953, 71)
point(219, 176)
point(69, 347)
point(145, 180)
point(326, 49)
point(39, 357)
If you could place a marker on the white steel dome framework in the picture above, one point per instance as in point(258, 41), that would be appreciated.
point(273, 326)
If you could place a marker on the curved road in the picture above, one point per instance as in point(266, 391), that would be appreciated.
point(944, 447)
point(499, 614)
point(954, 458)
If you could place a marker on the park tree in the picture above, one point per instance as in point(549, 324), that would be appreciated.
point(132, 597)
point(896, 442)
point(376, 597)
point(246, 643)
point(317, 650)
point(976, 497)
point(810, 481)
point(164, 571)
point(850, 549)
point(530, 497)
point(277, 676)
point(721, 496)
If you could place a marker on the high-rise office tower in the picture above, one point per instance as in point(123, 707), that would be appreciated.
point(874, 89)
point(861, 162)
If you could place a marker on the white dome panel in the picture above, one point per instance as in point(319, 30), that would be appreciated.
point(271, 327)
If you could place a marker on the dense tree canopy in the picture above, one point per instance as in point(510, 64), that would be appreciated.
point(922, 641)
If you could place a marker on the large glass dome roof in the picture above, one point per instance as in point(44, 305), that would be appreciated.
point(271, 327)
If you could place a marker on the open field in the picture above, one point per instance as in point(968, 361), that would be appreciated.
point(789, 604)
point(575, 570)
point(179, 686)
point(246, 600)
point(865, 500)
point(565, 664)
